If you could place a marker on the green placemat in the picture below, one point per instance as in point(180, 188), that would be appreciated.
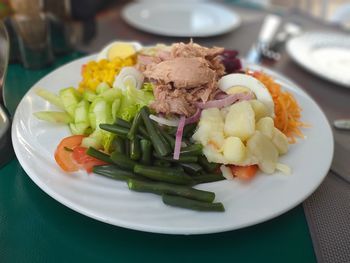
point(19, 80)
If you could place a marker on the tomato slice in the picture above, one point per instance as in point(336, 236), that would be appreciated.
point(64, 151)
point(244, 172)
point(86, 161)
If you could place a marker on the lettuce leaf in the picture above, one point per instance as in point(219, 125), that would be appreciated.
point(147, 86)
point(132, 100)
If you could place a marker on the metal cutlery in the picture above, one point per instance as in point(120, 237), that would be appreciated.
point(342, 124)
point(340, 161)
point(268, 30)
point(289, 30)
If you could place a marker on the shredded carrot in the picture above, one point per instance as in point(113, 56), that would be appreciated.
point(287, 110)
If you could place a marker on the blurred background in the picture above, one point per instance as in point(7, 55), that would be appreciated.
point(42, 30)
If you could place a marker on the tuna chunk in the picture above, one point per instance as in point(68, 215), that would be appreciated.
point(183, 73)
point(182, 77)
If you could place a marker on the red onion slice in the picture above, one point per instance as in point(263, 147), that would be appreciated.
point(195, 117)
point(178, 140)
point(221, 96)
point(225, 101)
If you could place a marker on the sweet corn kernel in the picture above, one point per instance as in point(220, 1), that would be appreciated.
point(95, 72)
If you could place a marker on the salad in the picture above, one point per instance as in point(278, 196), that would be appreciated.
point(166, 118)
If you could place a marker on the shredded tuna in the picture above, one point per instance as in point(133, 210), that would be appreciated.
point(183, 76)
point(183, 73)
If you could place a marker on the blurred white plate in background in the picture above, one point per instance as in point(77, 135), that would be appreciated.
point(181, 19)
point(325, 54)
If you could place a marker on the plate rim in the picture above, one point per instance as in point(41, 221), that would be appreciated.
point(124, 14)
point(298, 60)
point(153, 229)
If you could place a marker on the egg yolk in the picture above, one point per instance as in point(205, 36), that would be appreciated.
point(238, 89)
point(121, 50)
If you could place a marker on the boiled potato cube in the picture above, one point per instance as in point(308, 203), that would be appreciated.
point(226, 172)
point(217, 140)
point(234, 150)
point(280, 140)
point(211, 121)
point(266, 126)
point(212, 115)
point(260, 109)
point(224, 111)
point(207, 132)
point(264, 150)
point(249, 159)
point(240, 121)
point(202, 134)
point(213, 155)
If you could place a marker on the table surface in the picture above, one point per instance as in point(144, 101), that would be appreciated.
point(36, 228)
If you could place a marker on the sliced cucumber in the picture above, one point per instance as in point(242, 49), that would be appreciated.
point(103, 86)
point(103, 111)
point(50, 97)
point(91, 141)
point(82, 112)
point(111, 94)
point(115, 108)
point(78, 128)
point(54, 116)
point(89, 95)
point(70, 98)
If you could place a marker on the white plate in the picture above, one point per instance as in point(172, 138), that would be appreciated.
point(326, 54)
point(181, 18)
point(110, 201)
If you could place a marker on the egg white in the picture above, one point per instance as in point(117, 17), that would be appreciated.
point(242, 80)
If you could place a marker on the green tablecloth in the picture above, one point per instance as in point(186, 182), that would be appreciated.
point(36, 228)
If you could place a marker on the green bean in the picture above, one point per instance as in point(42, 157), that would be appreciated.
point(172, 131)
point(209, 167)
point(182, 159)
point(162, 138)
point(114, 172)
point(162, 163)
point(135, 149)
point(146, 151)
point(127, 148)
point(99, 155)
point(170, 139)
point(183, 202)
point(143, 131)
point(123, 123)
point(165, 188)
point(134, 126)
point(192, 168)
point(163, 174)
point(126, 124)
point(113, 128)
point(161, 148)
point(194, 149)
point(118, 145)
point(208, 178)
point(123, 161)
point(189, 130)
point(116, 129)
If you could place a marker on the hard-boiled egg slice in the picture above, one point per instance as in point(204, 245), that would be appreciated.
point(119, 49)
point(237, 83)
point(128, 76)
